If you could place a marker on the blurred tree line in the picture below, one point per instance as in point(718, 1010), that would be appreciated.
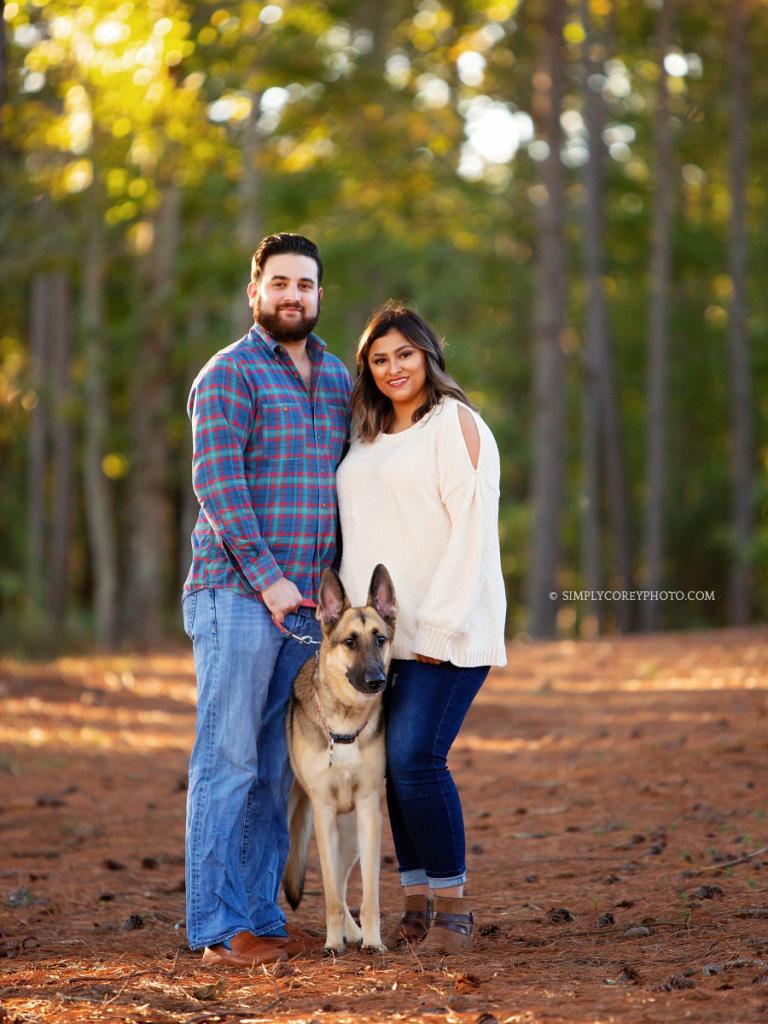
point(571, 191)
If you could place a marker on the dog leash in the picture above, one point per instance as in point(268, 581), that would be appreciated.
point(336, 737)
point(306, 639)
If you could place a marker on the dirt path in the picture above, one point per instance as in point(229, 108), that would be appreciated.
point(607, 787)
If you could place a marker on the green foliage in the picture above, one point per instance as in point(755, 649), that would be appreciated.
point(363, 112)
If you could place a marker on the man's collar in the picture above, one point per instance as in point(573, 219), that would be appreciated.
point(315, 345)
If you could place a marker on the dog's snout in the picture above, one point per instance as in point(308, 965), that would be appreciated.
point(370, 681)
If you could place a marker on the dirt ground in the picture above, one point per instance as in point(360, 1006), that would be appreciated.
point(615, 802)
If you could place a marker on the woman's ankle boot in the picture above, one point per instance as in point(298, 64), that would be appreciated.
point(451, 927)
point(413, 925)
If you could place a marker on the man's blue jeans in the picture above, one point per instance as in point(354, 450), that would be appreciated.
point(239, 775)
point(425, 706)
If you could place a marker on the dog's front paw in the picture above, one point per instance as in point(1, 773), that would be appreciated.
point(379, 947)
point(335, 950)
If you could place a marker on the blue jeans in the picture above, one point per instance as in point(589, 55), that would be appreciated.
point(239, 775)
point(426, 705)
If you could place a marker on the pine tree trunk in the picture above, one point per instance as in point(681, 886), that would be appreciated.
point(249, 224)
point(37, 446)
point(742, 430)
point(658, 337)
point(150, 518)
point(3, 85)
point(60, 329)
point(604, 419)
point(589, 511)
point(99, 512)
point(595, 341)
point(549, 319)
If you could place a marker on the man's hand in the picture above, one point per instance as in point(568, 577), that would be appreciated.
point(428, 661)
point(281, 598)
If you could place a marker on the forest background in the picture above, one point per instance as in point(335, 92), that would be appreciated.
point(572, 192)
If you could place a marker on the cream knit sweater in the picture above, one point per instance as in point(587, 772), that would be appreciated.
point(414, 502)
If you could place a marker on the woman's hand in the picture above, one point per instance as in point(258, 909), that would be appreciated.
point(428, 661)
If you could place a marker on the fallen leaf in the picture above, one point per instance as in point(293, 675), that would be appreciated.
point(466, 983)
point(207, 992)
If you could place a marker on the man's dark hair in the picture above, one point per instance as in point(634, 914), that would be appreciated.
point(276, 245)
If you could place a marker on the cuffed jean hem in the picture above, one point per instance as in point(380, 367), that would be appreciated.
point(277, 928)
point(224, 937)
point(419, 877)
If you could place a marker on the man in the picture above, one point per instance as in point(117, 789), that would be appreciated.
point(270, 417)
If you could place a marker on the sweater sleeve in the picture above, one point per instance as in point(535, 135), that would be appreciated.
point(471, 499)
point(222, 414)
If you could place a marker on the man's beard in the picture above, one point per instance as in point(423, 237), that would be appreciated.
point(282, 331)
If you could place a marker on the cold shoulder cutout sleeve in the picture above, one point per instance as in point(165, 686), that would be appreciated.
point(470, 433)
point(469, 490)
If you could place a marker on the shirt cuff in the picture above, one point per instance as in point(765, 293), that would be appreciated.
point(261, 572)
point(432, 642)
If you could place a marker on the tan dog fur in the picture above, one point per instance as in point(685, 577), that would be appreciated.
point(343, 799)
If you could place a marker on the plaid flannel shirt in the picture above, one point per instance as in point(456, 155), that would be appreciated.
point(265, 453)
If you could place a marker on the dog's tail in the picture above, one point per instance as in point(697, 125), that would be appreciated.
point(300, 826)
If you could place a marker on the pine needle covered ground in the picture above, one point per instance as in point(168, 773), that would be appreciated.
point(617, 829)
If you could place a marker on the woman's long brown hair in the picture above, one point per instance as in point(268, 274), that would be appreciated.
point(372, 412)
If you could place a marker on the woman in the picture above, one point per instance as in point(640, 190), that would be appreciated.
point(419, 492)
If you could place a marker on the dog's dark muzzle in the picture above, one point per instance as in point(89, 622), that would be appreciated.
point(369, 683)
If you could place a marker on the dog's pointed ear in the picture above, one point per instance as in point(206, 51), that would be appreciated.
point(331, 599)
point(381, 594)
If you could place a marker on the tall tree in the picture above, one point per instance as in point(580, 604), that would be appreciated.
point(99, 511)
point(150, 519)
point(37, 443)
point(602, 426)
point(3, 80)
point(596, 326)
point(742, 431)
point(658, 328)
point(549, 320)
point(57, 563)
point(249, 221)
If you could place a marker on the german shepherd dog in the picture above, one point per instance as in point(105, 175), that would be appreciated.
point(335, 731)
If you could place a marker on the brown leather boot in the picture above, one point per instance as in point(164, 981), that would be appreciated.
point(246, 950)
point(451, 927)
point(413, 925)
